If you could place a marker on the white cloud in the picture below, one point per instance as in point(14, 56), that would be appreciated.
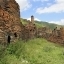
point(34, 19)
point(57, 7)
point(40, 0)
point(61, 22)
point(24, 4)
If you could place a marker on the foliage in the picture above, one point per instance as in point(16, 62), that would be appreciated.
point(37, 51)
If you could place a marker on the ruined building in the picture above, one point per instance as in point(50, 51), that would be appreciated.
point(43, 32)
point(29, 30)
point(10, 26)
point(57, 36)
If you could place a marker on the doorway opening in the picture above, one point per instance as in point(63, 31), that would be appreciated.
point(9, 39)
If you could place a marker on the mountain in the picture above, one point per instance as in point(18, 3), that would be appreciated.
point(42, 24)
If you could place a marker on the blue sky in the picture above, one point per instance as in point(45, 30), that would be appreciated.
point(51, 11)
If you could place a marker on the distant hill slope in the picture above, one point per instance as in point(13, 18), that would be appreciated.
point(42, 24)
point(46, 24)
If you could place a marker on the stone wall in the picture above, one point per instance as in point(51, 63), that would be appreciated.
point(29, 31)
point(10, 19)
point(11, 28)
point(57, 36)
point(43, 32)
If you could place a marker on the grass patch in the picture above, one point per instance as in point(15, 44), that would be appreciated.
point(37, 51)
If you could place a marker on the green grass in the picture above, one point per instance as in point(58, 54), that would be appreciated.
point(37, 51)
point(24, 21)
point(42, 24)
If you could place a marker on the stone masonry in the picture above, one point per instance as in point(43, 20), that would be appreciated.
point(29, 31)
point(10, 26)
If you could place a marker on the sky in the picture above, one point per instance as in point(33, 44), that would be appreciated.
point(51, 11)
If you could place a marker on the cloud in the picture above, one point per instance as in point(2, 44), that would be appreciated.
point(40, 0)
point(24, 4)
point(57, 8)
point(34, 19)
point(61, 22)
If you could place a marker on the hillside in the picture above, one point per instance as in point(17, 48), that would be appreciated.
point(42, 24)
point(36, 51)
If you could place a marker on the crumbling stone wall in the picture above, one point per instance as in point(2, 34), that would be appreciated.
point(11, 28)
point(43, 32)
point(57, 36)
point(10, 18)
point(29, 31)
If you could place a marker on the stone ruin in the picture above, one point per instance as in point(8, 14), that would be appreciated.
point(10, 26)
point(29, 30)
point(57, 36)
point(43, 32)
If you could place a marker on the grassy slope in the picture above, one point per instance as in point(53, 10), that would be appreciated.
point(43, 24)
point(37, 51)
point(46, 24)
